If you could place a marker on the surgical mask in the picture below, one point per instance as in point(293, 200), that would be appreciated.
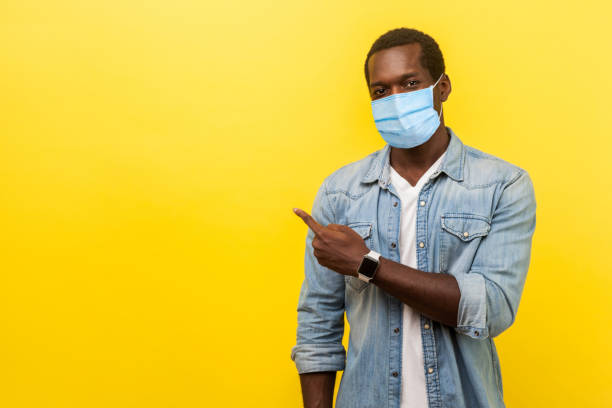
point(407, 119)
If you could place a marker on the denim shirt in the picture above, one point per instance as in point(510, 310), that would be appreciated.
point(475, 220)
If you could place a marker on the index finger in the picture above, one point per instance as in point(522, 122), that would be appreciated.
point(307, 218)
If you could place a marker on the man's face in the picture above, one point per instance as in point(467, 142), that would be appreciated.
point(398, 69)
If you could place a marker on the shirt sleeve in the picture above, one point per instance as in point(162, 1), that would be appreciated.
point(320, 306)
point(491, 290)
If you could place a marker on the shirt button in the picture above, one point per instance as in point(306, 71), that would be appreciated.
point(393, 245)
point(421, 244)
point(430, 370)
point(395, 374)
point(426, 326)
point(466, 234)
point(422, 203)
point(396, 330)
point(395, 204)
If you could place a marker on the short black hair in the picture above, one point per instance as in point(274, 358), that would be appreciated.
point(431, 56)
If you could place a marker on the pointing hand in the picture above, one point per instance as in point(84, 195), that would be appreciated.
point(336, 246)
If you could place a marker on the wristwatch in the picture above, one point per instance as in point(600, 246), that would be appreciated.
point(368, 266)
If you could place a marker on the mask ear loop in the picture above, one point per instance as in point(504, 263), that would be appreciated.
point(441, 107)
point(441, 75)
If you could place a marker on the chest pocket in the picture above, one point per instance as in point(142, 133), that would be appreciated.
point(460, 236)
point(364, 229)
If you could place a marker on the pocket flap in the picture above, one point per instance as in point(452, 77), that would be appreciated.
point(364, 229)
point(466, 226)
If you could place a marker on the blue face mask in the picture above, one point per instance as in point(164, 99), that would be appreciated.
point(407, 119)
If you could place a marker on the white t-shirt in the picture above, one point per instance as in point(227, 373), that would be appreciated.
point(413, 390)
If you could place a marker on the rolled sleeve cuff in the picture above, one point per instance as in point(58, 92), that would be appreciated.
point(310, 358)
point(472, 314)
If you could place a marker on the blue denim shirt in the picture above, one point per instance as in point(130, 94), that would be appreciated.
point(476, 219)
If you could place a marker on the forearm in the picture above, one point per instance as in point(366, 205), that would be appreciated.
point(318, 389)
point(436, 295)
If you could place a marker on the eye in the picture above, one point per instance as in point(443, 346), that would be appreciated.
point(411, 84)
point(379, 91)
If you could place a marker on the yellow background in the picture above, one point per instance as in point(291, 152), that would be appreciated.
point(151, 152)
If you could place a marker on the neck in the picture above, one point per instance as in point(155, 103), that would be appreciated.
point(420, 158)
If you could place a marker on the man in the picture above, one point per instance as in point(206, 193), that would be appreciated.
point(425, 244)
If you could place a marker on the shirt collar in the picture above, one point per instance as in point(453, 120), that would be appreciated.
point(452, 163)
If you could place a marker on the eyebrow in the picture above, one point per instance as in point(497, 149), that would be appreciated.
point(402, 78)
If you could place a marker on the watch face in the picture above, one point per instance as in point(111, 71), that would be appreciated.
point(368, 267)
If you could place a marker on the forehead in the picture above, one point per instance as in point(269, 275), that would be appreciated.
point(387, 64)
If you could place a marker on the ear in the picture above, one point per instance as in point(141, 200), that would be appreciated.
point(445, 88)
